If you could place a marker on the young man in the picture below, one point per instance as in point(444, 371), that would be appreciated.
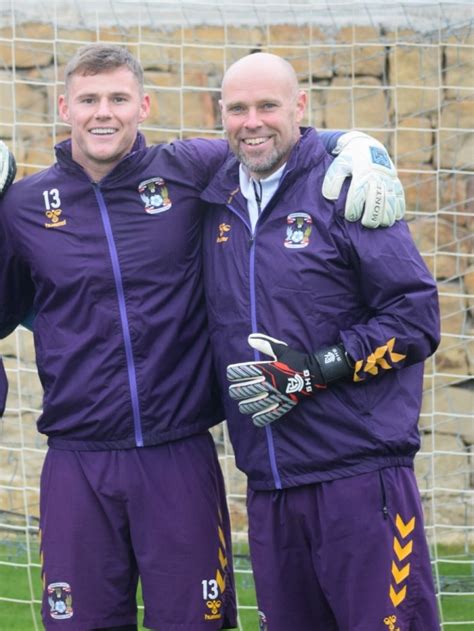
point(105, 248)
point(339, 322)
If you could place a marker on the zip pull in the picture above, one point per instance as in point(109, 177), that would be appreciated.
point(258, 194)
point(384, 496)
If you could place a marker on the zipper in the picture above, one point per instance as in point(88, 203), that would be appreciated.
point(257, 189)
point(253, 320)
point(132, 377)
point(384, 495)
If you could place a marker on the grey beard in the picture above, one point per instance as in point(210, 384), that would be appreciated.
point(261, 165)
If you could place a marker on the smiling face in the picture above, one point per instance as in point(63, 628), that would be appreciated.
point(104, 111)
point(261, 110)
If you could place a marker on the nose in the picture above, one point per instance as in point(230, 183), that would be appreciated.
point(103, 108)
point(252, 120)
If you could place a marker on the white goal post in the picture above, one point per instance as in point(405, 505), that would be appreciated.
point(401, 71)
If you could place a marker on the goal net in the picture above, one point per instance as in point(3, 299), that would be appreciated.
point(401, 71)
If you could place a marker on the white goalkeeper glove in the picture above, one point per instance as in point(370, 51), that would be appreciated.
point(7, 168)
point(269, 389)
point(375, 194)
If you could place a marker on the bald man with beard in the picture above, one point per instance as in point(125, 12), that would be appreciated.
point(330, 326)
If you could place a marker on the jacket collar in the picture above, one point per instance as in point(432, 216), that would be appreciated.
point(308, 151)
point(64, 158)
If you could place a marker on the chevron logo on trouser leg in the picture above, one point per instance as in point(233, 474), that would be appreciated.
point(220, 576)
point(404, 529)
point(214, 589)
point(400, 574)
point(398, 597)
point(402, 551)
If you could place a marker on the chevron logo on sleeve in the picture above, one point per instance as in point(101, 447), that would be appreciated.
point(383, 358)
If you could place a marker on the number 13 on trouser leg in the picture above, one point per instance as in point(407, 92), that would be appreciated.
point(155, 512)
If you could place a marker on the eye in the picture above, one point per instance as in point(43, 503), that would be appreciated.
point(120, 99)
point(269, 106)
point(235, 109)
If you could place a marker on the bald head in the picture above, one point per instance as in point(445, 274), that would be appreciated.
point(262, 108)
point(262, 64)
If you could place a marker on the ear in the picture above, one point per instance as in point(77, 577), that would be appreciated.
point(301, 102)
point(63, 108)
point(144, 108)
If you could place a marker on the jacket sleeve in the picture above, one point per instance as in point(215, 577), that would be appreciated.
point(403, 326)
point(205, 158)
point(329, 139)
point(16, 285)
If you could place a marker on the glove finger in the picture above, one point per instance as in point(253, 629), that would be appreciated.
point(273, 413)
point(356, 196)
point(400, 196)
point(389, 215)
point(267, 345)
point(258, 403)
point(400, 209)
point(243, 371)
point(248, 389)
point(337, 172)
point(375, 203)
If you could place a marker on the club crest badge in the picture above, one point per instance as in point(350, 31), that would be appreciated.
point(60, 601)
point(298, 230)
point(154, 194)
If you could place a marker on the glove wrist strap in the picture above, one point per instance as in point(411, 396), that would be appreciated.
point(333, 363)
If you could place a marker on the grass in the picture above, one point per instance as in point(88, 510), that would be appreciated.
point(455, 569)
point(456, 573)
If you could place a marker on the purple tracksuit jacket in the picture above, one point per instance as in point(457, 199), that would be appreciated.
point(113, 273)
point(311, 279)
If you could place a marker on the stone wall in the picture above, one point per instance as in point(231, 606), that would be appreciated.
point(412, 91)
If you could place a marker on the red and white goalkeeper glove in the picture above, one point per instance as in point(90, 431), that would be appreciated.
point(269, 389)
